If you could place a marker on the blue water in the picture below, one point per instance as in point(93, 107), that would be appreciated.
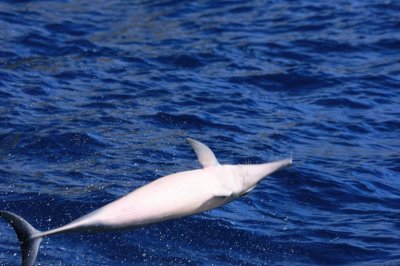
point(98, 97)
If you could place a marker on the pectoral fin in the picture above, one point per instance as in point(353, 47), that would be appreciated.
point(205, 156)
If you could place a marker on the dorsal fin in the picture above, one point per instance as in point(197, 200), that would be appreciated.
point(205, 156)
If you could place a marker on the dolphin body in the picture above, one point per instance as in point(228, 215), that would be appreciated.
point(172, 196)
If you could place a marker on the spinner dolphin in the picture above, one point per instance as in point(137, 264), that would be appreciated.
point(169, 197)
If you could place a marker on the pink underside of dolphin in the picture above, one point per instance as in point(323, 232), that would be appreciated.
point(172, 196)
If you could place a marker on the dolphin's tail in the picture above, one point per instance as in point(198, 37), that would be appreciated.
point(27, 235)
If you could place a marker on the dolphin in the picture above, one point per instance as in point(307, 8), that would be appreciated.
point(169, 197)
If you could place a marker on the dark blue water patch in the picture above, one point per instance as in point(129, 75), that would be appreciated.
point(342, 102)
point(24, 63)
point(328, 234)
point(5, 95)
point(312, 27)
point(330, 127)
point(387, 202)
point(302, 57)
point(98, 105)
point(114, 120)
point(221, 237)
point(388, 187)
point(82, 44)
point(365, 92)
point(343, 253)
point(17, 18)
point(181, 61)
point(309, 197)
point(241, 9)
point(290, 81)
point(8, 142)
point(100, 120)
point(59, 147)
point(386, 125)
point(357, 129)
point(136, 61)
point(71, 28)
point(156, 92)
point(138, 251)
point(386, 6)
point(395, 165)
point(116, 71)
point(42, 45)
point(72, 75)
point(109, 80)
point(327, 46)
point(113, 97)
point(236, 101)
point(391, 44)
point(6, 55)
point(47, 109)
point(383, 81)
point(99, 51)
point(189, 121)
point(378, 240)
point(34, 91)
point(309, 194)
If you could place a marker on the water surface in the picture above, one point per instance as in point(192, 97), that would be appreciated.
point(97, 98)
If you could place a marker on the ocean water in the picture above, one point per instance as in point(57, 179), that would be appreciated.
point(98, 97)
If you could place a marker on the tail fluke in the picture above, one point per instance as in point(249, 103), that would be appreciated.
point(26, 235)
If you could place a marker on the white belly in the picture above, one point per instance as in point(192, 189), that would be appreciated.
point(172, 196)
